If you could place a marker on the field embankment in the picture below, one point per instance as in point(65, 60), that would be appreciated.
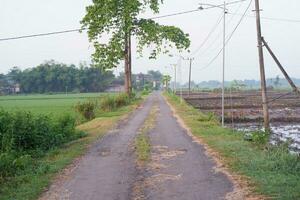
point(267, 171)
point(35, 147)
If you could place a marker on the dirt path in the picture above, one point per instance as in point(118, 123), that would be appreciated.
point(178, 170)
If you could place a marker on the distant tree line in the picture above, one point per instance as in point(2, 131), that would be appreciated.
point(56, 77)
point(276, 82)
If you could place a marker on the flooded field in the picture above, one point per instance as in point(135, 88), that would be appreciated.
point(243, 111)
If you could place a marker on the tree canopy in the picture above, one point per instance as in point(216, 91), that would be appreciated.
point(118, 19)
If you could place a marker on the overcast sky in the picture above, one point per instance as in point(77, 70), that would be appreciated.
point(38, 16)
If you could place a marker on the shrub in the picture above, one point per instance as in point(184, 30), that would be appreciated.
point(86, 109)
point(122, 100)
point(258, 137)
point(24, 136)
point(145, 92)
point(23, 132)
point(107, 103)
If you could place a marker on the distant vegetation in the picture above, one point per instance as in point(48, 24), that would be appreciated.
point(52, 77)
point(57, 77)
point(277, 83)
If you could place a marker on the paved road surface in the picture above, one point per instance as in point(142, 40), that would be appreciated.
point(179, 168)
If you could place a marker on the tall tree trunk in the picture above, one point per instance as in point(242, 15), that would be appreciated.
point(129, 62)
point(127, 71)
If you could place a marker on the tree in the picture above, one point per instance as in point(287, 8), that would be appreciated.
point(166, 81)
point(277, 81)
point(119, 20)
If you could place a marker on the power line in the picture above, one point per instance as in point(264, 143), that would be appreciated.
point(218, 35)
point(270, 18)
point(229, 38)
point(39, 35)
point(209, 34)
point(79, 29)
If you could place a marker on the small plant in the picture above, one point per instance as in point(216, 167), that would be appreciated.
point(258, 137)
point(86, 109)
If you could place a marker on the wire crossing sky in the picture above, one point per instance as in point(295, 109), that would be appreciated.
point(280, 26)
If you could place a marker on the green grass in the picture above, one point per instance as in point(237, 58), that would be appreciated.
point(30, 183)
point(143, 147)
point(142, 140)
point(272, 171)
point(56, 104)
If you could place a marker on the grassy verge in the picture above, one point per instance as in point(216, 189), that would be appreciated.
point(31, 182)
point(271, 171)
point(142, 141)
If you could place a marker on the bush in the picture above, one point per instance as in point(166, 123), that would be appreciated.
point(258, 137)
point(87, 109)
point(24, 136)
point(107, 103)
point(122, 100)
point(112, 102)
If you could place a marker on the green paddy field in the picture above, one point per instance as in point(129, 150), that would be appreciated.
point(56, 104)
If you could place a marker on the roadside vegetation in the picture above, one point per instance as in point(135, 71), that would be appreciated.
point(269, 170)
point(142, 141)
point(35, 147)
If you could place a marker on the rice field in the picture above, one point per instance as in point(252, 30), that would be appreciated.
point(56, 104)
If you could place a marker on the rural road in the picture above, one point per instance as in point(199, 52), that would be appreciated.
point(179, 169)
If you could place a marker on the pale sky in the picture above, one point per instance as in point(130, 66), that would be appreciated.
point(19, 18)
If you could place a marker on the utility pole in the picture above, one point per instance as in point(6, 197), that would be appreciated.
point(190, 74)
point(262, 69)
point(223, 70)
point(174, 86)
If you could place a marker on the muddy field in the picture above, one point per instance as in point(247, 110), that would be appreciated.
point(243, 111)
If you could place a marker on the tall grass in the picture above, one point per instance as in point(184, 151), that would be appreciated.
point(107, 103)
point(24, 136)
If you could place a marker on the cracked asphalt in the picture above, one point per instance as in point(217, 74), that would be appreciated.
point(179, 168)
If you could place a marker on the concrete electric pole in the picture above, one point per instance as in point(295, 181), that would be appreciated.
point(262, 68)
point(190, 74)
point(223, 69)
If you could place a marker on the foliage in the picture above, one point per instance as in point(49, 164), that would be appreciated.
point(258, 137)
point(122, 100)
point(112, 102)
point(166, 81)
point(86, 109)
point(119, 19)
point(24, 135)
point(57, 77)
point(31, 182)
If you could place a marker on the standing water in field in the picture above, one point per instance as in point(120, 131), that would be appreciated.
point(243, 112)
point(281, 132)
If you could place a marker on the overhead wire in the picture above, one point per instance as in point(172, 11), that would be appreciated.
point(219, 34)
point(81, 29)
point(270, 18)
point(209, 35)
point(229, 38)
